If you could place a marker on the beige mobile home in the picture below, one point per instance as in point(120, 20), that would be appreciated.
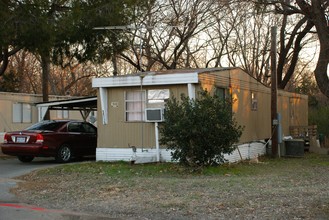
point(18, 110)
point(129, 110)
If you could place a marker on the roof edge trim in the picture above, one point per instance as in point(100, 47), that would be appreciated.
point(68, 101)
point(146, 80)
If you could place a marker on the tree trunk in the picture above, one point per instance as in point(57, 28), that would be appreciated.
point(4, 62)
point(45, 63)
point(295, 56)
point(321, 69)
point(322, 29)
point(114, 63)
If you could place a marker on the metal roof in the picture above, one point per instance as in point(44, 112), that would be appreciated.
point(86, 103)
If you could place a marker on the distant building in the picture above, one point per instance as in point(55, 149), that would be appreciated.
point(18, 110)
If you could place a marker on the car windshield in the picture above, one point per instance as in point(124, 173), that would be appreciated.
point(46, 125)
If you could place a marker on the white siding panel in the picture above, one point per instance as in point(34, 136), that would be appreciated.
point(165, 155)
point(126, 154)
point(247, 151)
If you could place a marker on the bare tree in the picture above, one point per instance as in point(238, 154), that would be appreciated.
point(22, 74)
point(200, 33)
point(6, 53)
point(74, 80)
point(250, 40)
point(168, 35)
point(312, 13)
point(244, 35)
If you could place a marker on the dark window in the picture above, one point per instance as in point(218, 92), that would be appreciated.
point(224, 95)
point(89, 128)
point(75, 127)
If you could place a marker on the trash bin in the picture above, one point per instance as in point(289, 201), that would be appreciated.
point(294, 147)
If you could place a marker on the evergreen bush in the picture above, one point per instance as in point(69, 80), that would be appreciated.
point(199, 131)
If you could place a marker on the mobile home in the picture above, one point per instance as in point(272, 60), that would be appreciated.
point(128, 121)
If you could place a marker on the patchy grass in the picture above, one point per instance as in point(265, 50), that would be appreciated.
point(282, 188)
point(265, 166)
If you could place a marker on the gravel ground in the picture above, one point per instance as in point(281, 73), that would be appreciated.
point(289, 189)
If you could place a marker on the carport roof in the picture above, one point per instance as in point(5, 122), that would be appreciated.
point(86, 103)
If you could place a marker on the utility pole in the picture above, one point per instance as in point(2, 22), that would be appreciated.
point(274, 92)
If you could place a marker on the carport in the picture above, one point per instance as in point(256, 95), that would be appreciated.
point(84, 105)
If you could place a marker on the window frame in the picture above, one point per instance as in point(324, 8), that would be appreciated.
point(139, 111)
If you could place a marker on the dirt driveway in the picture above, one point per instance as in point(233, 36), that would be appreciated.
point(286, 188)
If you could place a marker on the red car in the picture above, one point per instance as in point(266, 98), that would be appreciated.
point(62, 139)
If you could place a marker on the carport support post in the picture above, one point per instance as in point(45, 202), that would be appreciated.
point(157, 147)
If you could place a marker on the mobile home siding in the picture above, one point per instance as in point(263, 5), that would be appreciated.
point(293, 109)
point(257, 123)
point(121, 134)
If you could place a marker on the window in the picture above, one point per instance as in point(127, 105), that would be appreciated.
point(22, 113)
point(75, 127)
point(81, 128)
point(253, 101)
point(135, 105)
point(225, 96)
point(135, 102)
point(220, 93)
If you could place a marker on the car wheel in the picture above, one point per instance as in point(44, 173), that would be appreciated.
point(64, 154)
point(25, 159)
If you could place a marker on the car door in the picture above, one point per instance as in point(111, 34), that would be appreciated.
point(77, 140)
point(90, 138)
point(83, 138)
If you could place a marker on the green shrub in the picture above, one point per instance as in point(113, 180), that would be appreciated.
point(201, 131)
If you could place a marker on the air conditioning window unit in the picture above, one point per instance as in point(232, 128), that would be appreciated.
point(154, 114)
